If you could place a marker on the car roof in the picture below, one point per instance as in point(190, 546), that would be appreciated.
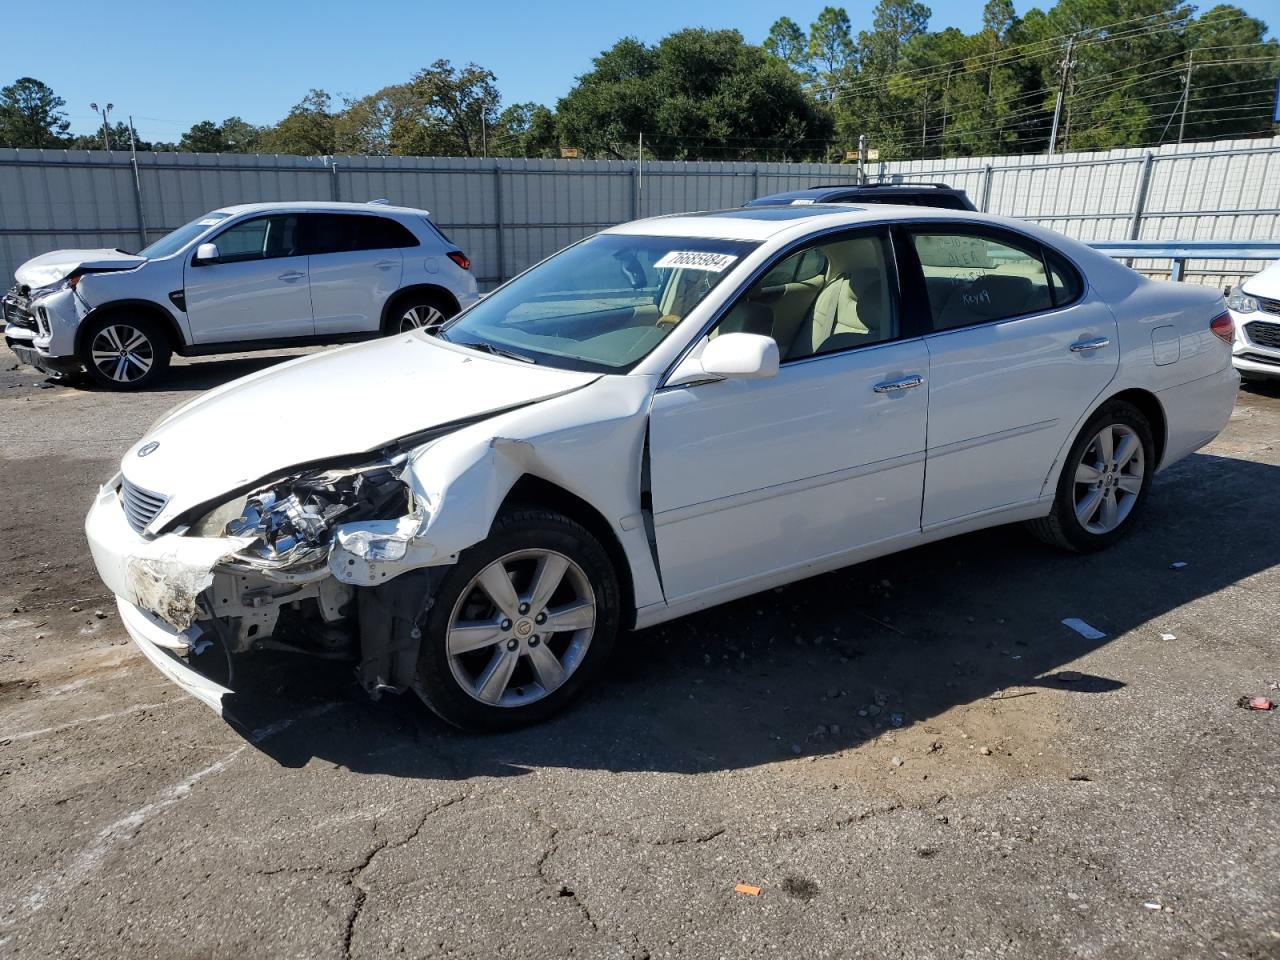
point(766, 222)
point(319, 206)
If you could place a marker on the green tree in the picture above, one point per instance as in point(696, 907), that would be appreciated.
point(308, 129)
point(240, 136)
point(830, 41)
point(1233, 88)
point(525, 130)
point(119, 134)
point(31, 115)
point(696, 94)
point(365, 126)
point(455, 113)
point(789, 43)
point(203, 137)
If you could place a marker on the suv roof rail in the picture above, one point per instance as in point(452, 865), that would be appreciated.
point(380, 202)
point(880, 186)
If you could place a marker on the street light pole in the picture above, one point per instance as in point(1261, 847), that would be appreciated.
point(106, 136)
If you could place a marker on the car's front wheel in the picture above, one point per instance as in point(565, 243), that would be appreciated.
point(1104, 482)
point(125, 352)
point(520, 625)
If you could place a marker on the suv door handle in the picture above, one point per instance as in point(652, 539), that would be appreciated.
point(386, 264)
point(902, 383)
point(291, 275)
point(1096, 343)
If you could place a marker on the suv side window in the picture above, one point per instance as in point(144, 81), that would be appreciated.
point(974, 276)
point(342, 233)
point(260, 238)
point(831, 296)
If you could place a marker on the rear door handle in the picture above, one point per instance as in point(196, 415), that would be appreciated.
point(291, 275)
point(1096, 343)
point(386, 264)
point(902, 383)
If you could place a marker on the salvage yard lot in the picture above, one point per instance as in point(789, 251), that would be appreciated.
point(911, 758)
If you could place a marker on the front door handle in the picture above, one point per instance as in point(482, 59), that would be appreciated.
point(386, 264)
point(1095, 343)
point(902, 383)
point(291, 275)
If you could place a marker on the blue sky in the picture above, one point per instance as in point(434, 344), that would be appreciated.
point(172, 64)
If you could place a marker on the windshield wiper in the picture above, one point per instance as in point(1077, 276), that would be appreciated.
point(498, 351)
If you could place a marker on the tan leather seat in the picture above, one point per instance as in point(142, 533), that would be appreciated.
point(853, 306)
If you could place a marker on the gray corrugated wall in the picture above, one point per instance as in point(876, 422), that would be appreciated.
point(507, 214)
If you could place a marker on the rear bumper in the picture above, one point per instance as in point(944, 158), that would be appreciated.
point(1196, 412)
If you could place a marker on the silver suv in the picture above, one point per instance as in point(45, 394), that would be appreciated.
point(247, 277)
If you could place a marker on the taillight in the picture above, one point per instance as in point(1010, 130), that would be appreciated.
point(1223, 328)
point(460, 258)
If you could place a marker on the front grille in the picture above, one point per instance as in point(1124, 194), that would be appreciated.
point(15, 311)
point(1268, 306)
point(1264, 334)
point(1259, 358)
point(140, 506)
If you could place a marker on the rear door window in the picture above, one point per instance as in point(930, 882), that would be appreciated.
point(978, 276)
point(344, 233)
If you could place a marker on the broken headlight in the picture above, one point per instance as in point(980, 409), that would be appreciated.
point(292, 520)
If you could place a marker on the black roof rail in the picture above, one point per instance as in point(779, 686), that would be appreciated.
point(879, 186)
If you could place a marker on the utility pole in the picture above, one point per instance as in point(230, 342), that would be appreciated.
point(862, 156)
point(1067, 64)
point(106, 137)
point(640, 169)
point(1186, 95)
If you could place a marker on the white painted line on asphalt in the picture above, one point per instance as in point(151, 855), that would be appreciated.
point(88, 860)
point(28, 734)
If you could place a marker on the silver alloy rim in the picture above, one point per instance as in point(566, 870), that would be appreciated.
point(1108, 478)
point(421, 317)
point(521, 628)
point(122, 353)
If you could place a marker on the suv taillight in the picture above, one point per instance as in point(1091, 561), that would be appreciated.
point(1223, 328)
point(460, 258)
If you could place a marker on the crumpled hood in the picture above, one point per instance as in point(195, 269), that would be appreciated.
point(326, 405)
point(51, 267)
point(1265, 284)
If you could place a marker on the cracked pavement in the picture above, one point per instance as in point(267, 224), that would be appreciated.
point(1044, 796)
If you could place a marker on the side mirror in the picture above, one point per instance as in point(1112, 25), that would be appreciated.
point(730, 356)
point(206, 253)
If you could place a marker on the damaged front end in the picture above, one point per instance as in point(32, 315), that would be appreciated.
point(309, 569)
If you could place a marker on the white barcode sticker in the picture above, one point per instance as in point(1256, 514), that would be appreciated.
point(696, 260)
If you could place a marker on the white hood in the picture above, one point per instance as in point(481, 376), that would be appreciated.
point(1264, 284)
point(51, 267)
point(326, 405)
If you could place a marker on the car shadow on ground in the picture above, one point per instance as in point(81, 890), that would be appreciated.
point(827, 663)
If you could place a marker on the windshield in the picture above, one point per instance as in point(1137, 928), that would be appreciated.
point(171, 243)
point(600, 305)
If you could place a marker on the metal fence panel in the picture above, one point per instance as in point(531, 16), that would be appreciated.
point(510, 213)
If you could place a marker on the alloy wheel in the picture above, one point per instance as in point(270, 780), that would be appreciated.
point(122, 353)
point(423, 316)
point(521, 628)
point(1108, 478)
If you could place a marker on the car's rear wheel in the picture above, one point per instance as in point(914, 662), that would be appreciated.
point(1104, 482)
point(419, 311)
point(125, 352)
point(520, 625)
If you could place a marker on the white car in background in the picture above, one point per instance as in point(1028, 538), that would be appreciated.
point(246, 277)
point(665, 416)
point(1255, 310)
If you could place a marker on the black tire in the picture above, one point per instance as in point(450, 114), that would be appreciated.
point(514, 531)
point(432, 308)
point(1062, 528)
point(106, 334)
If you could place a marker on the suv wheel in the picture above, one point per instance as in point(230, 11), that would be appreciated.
point(1104, 482)
point(418, 311)
point(520, 624)
point(124, 352)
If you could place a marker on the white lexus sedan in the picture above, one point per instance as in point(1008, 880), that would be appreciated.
point(662, 417)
